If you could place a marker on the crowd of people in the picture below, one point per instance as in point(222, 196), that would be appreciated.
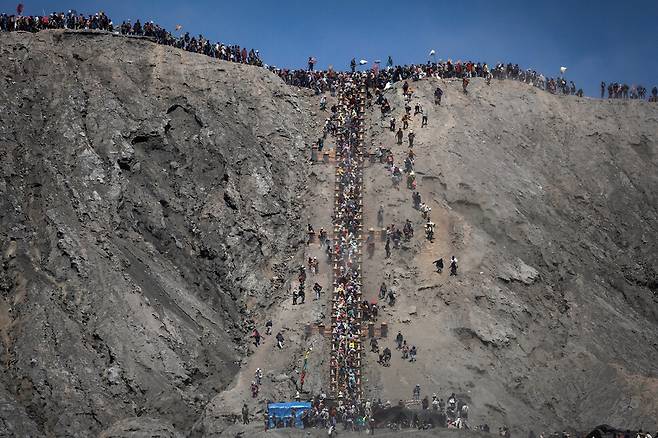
point(69, 20)
point(451, 413)
point(325, 81)
point(100, 21)
point(454, 411)
point(381, 79)
point(346, 312)
point(394, 234)
point(352, 414)
point(624, 91)
point(321, 81)
point(360, 415)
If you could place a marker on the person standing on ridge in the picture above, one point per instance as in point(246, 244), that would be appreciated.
point(353, 65)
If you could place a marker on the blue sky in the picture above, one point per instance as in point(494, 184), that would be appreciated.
point(596, 40)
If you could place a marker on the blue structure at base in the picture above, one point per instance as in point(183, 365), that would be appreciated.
point(283, 411)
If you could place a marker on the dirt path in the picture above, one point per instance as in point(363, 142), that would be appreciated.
point(409, 268)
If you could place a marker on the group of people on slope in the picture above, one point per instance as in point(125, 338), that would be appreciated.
point(100, 21)
point(320, 81)
point(624, 91)
point(346, 313)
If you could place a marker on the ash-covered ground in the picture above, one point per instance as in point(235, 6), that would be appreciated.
point(153, 202)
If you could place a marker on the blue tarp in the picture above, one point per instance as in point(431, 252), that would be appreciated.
point(284, 411)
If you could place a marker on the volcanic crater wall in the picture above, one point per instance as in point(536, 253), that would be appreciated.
point(151, 204)
point(147, 197)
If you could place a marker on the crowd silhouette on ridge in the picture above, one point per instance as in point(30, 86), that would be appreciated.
point(100, 21)
point(320, 81)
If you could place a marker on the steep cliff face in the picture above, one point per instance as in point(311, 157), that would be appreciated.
point(147, 197)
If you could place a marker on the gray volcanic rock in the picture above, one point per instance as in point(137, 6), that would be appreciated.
point(518, 271)
point(14, 420)
point(140, 427)
point(147, 197)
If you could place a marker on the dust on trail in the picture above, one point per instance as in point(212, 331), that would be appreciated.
point(291, 320)
point(411, 266)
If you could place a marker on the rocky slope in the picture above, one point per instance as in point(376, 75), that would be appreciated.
point(152, 204)
point(549, 203)
point(148, 201)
